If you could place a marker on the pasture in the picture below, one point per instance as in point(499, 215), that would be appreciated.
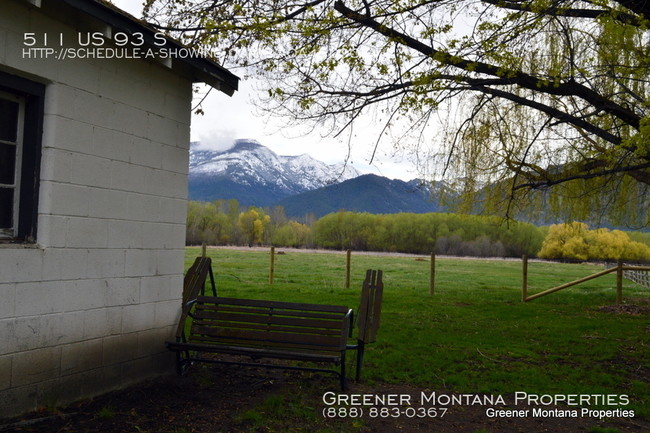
point(474, 335)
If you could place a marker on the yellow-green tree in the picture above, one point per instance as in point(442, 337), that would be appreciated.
point(252, 224)
point(575, 241)
point(207, 223)
point(292, 234)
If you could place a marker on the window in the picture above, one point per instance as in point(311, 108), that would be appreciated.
point(21, 120)
point(12, 108)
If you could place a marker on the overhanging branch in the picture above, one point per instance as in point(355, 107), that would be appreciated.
point(514, 77)
point(483, 86)
point(636, 171)
point(525, 6)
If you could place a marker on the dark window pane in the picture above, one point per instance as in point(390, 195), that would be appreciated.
point(6, 208)
point(7, 163)
point(8, 120)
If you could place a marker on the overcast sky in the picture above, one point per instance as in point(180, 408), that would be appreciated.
point(229, 118)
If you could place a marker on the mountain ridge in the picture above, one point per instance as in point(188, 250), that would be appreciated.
point(257, 176)
point(366, 193)
point(254, 175)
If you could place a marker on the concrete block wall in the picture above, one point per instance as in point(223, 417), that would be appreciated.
point(88, 307)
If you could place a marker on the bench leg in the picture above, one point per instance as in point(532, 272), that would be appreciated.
point(182, 363)
point(344, 384)
point(360, 351)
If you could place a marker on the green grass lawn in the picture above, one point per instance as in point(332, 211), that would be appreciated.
point(474, 334)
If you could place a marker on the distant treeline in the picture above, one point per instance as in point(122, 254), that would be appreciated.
point(224, 222)
point(450, 234)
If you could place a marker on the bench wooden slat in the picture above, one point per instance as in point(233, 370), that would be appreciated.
point(262, 327)
point(270, 319)
point(275, 336)
point(267, 345)
point(206, 307)
point(272, 304)
point(254, 352)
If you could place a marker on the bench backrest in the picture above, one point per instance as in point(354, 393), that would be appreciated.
point(372, 292)
point(270, 324)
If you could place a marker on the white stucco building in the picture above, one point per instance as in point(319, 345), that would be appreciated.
point(94, 142)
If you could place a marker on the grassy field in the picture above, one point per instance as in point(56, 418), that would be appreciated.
point(474, 334)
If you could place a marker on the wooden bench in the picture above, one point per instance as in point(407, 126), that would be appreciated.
point(312, 333)
point(264, 329)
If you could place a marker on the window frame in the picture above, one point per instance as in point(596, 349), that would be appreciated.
point(28, 175)
point(12, 231)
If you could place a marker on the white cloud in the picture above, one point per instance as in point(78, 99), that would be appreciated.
point(217, 139)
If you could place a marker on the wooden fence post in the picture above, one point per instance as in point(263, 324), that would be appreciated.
point(347, 268)
point(204, 249)
point(619, 281)
point(272, 266)
point(432, 277)
point(524, 278)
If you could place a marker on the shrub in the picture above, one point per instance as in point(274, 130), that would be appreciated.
point(575, 241)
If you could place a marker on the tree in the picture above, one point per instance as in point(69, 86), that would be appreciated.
point(425, 233)
point(531, 95)
point(252, 224)
point(292, 234)
point(575, 241)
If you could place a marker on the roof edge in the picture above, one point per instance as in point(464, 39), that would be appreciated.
point(201, 68)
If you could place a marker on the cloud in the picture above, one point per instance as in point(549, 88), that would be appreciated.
point(219, 140)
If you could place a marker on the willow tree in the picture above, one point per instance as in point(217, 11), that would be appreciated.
point(519, 103)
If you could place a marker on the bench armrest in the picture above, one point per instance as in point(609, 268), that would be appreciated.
point(349, 317)
point(185, 312)
point(188, 307)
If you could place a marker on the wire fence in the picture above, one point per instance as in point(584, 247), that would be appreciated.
point(640, 277)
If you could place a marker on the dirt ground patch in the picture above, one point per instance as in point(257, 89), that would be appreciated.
point(632, 306)
point(214, 399)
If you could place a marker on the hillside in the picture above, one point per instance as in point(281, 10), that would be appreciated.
point(366, 193)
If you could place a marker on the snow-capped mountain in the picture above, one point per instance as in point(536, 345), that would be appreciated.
point(255, 175)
